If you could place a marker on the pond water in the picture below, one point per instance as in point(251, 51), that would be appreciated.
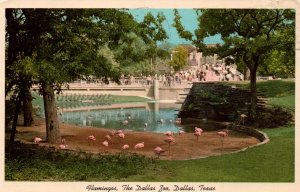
point(160, 117)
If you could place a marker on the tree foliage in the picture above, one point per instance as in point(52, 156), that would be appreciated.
point(281, 60)
point(179, 58)
point(179, 27)
point(137, 49)
point(51, 47)
point(247, 34)
point(278, 63)
point(152, 28)
point(152, 31)
point(131, 49)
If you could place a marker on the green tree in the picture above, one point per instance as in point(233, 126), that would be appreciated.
point(246, 33)
point(131, 50)
point(18, 46)
point(65, 45)
point(152, 31)
point(278, 63)
point(137, 50)
point(85, 53)
point(179, 58)
point(179, 27)
point(281, 60)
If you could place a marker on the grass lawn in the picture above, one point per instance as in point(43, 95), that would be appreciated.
point(280, 93)
point(287, 102)
point(272, 162)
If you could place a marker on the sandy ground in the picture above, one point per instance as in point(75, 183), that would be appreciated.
point(185, 147)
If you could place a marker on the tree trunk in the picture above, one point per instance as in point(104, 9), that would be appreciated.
point(252, 62)
point(27, 108)
point(246, 73)
point(15, 120)
point(12, 50)
point(253, 94)
point(12, 30)
point(52, 124)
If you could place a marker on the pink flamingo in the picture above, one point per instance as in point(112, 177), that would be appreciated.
point(169, 140)
point(222, 135)
point(91, 138)
point(243, 117)
point(139, 145)
point(121, 135)
point(63, 141)
point(107, 137)
point(158, 151)
point(161, 121)
point(112, 133)
point(181, 132)
point(125, 122)
point(63, 146)
point(105, 143)
point(125, 147)
point(178, 121)
point(168, 133)
point(37, 140)
point(145, 126)
point(197, 129)
point(197, 134)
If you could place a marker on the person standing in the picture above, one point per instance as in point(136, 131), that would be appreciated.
point(201, 77)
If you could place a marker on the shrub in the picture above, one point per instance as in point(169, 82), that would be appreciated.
point(274, 117)
point(32, 163)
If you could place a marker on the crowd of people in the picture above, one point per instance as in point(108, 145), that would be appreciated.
point(207, 72)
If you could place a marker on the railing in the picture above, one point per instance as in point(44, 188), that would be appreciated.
point(137, 82)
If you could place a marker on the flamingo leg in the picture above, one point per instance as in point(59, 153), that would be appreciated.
point(222, 143)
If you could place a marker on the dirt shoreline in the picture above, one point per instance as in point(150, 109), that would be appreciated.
point(185, 147)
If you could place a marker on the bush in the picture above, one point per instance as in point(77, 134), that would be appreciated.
point(32, 163)
point(274, 117)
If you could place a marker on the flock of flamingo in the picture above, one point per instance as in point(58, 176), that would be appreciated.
point(120, 134)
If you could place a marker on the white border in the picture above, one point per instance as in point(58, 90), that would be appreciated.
point(80, 186)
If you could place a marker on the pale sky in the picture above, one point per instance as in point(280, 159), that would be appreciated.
point(189, 20)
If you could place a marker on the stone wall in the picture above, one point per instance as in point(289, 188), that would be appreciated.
point(218, 102)
point(261, 136)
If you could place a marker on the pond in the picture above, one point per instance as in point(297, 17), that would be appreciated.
point(159, 117)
